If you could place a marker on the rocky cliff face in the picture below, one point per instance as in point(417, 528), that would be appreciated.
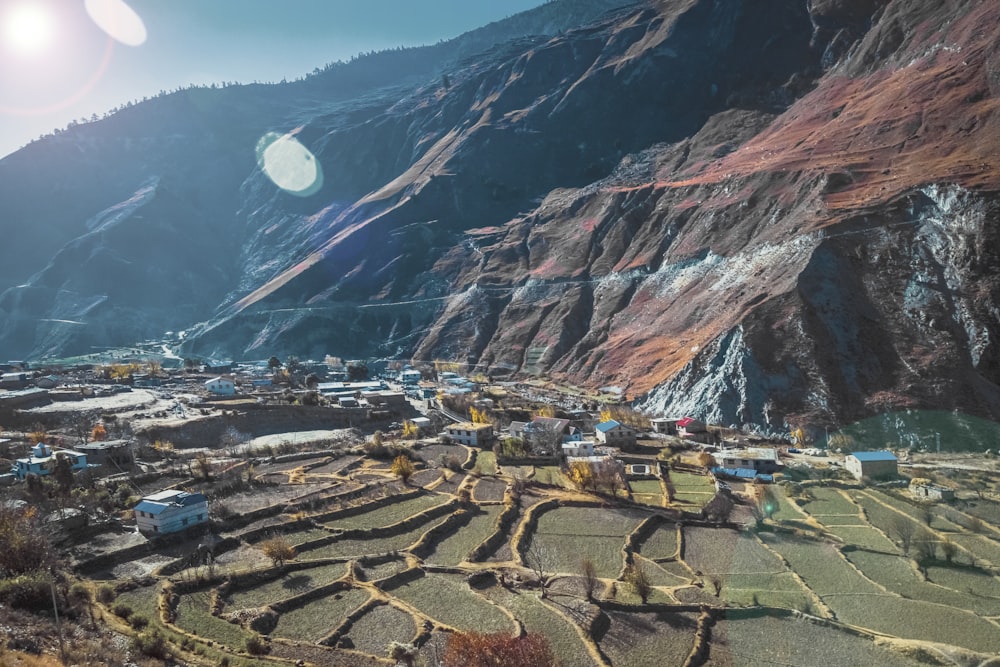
point(760, 217)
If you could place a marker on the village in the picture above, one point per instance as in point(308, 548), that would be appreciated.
point(191, 497)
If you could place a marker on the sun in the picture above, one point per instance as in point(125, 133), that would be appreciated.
point(28, 29)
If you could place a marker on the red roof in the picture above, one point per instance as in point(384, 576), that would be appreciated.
point(685, 421)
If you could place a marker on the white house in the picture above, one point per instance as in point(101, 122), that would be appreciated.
point(43, 461)
point(578, 449)
point(873, 465)
point(761, 459)
point(170, 511)
point(614, 434)
point(473, 435)
point(221, 386)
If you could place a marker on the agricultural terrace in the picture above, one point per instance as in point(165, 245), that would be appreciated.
point(369, 560)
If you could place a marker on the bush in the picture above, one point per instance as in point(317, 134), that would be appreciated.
point(31, 592)
point(106, 593)
point(256, 645)
point(138, 621)
point(152, 644)
point(121, 610)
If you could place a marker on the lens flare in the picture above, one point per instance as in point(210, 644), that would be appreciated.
point(118, 20)
point(28, 29)
point(289, 164)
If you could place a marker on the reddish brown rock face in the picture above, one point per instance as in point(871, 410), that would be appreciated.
point(759, 217)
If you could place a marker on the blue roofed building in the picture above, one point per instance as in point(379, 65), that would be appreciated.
point(615, 434)
point(170, 511)
point(873, 465)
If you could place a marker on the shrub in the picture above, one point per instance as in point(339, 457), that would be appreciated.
point(31, 591)
point(278, 549)
point(121, 610)
point(106, 593)
point(152, 644)
point(138, 621)
point(256, 645)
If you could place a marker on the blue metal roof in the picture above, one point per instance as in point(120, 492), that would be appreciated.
point(866, 457)
point(604, 427)
point(150, 507)
point(191, 499)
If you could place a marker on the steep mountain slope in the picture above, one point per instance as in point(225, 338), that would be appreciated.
point(760, 217)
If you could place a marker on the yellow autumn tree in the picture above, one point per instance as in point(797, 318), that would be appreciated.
point(478, 416)
point(545, 411)
point(410, 430)
point(98, 433)
point(582, 475)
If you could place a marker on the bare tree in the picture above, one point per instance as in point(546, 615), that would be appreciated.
point(903, 530)
point(637, 579)
point(948, 549)
point(590, 580)
point(539, 559)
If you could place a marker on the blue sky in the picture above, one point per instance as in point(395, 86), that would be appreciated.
point(59, 65)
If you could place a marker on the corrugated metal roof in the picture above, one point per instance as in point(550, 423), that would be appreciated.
point(866, 457)
point(604, 427)
point(151, 508)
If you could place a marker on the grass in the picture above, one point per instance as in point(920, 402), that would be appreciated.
point(193, 615)
point(314, 620)
point(372, 632)
point(390, 514)
point(767, 641)
point(550, 475)
point(449, 599)
point(660, 576)
point(829, 501)
point(976, 582)
point(979, 546)
point(915, 619)
point(453, 549)
point(865, 537)
point(857, 601)
point(539, 617)
point(563, 553)
point(662, 543)
point(821, 566)
point(286, 586)
point(726, 552)
point(357, 548)
point(594, 521)
point(646, 486)
point(488, 489)
point(649, 639)
point(648, 499)
point(487, 462)
point(897, 574)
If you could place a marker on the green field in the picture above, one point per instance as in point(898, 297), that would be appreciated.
point(372, 632)
point(649, 639)
point(356, 548)
point(390, 514)
point(453, 549)
point(768, 641)
point(314, 620)
point(193, 615)
point(448, 599)
point(541, 618)
point(285, 586)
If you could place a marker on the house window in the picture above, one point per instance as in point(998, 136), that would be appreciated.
point(156, 529)
point(201, 517)
point(184, 521)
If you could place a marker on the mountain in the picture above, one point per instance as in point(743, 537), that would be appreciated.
point(763, 217)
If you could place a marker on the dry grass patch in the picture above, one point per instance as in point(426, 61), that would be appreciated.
point(372, 632)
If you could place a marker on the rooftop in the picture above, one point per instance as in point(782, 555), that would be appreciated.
point(866, 457)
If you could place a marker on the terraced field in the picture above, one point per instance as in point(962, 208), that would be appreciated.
point(835, 556)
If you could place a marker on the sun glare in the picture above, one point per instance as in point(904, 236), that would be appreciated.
point(117, 19)
point(27, 29)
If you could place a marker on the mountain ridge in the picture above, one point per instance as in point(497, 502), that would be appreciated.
point(763, 218)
